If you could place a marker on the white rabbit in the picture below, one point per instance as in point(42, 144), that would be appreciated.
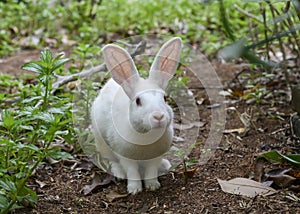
point(131, 121)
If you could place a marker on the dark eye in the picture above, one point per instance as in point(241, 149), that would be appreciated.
point(165, 98)
point(138, 101)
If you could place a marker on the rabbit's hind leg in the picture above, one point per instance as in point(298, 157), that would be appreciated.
point(164, 167)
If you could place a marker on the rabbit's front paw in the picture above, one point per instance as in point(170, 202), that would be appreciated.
point(134, 186)
point(152, 184)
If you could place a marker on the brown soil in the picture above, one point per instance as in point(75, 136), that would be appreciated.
point(201, 193)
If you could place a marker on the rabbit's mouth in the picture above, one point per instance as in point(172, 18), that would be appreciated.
point(151, 127)
point(158, 125)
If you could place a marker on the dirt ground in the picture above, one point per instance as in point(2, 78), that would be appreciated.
point(59, 186)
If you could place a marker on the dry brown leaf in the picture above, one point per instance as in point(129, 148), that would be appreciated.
point(237, 93)
point(245, 187)
point(280, 177)
point(97, 182)
point(189, 173)
point(113, 195)
point(283, 181)
point(294, 173)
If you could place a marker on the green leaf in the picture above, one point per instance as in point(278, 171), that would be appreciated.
point(56, 111)
point(278, 157)
point(34, 67)
point(27, 194)
point(58, 56)
point(295, 157)
point(8, 120)
point(57, 154)
point(32, 147)
point(62, 132)
point(4, 202)
point(8, 185)
point(59, 63)
point(31, 99)
point(45, 116)
point(46, 56)
point(27, 127)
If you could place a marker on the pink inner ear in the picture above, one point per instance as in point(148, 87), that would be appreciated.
point(168, 65)
point(122, 64)
point(122, 68)
point(165, 63)
point(119, 63)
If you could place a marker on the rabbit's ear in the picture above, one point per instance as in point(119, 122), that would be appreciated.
point(166, 62)
point(122, 68)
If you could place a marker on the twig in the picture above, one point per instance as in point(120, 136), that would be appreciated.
point(61, 80)
point(139, 48)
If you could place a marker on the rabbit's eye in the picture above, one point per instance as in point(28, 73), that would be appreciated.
point(165, 98)
point(138, 101)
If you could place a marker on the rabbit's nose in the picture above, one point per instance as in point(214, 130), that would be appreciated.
point(158, 116)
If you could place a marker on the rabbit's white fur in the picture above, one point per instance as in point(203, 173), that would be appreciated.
point(131, 122)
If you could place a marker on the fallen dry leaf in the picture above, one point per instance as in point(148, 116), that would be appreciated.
point(245, 187)
point(280, 177)
point(97, 182)
point(188, 173)
point(294, 173)
point(282, 180)
point(113, 195)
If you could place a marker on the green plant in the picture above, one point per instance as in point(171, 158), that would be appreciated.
point(182, 154)
point(83, 53)
point(277, 25)
point(27, 131)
